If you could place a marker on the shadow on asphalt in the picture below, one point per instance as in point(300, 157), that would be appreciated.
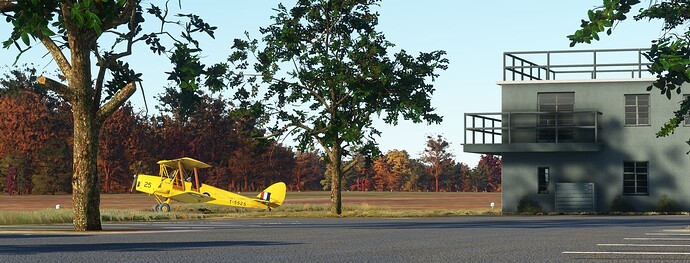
point(128, 247)
point(503, 222)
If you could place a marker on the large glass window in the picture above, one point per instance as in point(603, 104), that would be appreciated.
point(555, 113)
point(635, 177)
point(637, 109)
point(543, 180)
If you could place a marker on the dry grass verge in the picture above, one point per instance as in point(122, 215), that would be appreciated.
point(137, 207)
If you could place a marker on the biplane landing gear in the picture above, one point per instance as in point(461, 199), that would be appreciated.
point(164, 207)
point(161, 207)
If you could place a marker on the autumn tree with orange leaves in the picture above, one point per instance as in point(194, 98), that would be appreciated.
point(437, 156)
point(391, 170)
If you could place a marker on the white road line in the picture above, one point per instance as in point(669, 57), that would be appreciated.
point(658, 238)
point(626, 253)
point(677, 230)
point(667, 234)
point(643, 245)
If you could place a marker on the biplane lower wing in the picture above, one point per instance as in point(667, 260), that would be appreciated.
point(191, 197)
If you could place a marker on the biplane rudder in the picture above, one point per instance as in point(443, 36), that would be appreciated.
point(276, 193)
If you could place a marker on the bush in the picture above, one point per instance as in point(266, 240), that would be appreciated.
point(529, 206)
point(620, 205)
point(667, 205)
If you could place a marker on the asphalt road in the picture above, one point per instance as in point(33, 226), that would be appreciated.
point(450, 239)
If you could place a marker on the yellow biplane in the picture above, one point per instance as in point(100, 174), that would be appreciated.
point(179, 180)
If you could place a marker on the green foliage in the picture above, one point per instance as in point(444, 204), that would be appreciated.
point(669, 55)
point(667, 205)
point(328, 58)
point(342, 72)
point(620, 205)
point(53, 173)
point(529, 206)
point(600, 19)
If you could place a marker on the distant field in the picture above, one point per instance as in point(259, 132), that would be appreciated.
point(390, 200)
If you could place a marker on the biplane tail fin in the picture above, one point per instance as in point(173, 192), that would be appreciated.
point(274, 195)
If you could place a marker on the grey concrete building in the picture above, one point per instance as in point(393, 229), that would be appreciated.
point(578, 128)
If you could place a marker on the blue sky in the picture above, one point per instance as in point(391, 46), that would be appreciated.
point(473, 33)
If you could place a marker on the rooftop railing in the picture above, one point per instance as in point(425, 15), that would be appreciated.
point(575, 64)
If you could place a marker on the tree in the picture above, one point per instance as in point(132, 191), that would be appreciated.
point(276, 163)
point(669, 55)
point(72, 32)
point(437, 156)
point(361, 174)
point(339, 76)
point(421, 173)
point(461, 174)
point(53, 169)
point(491, 166)
point(112, 161)
point(11, 180)
point(307, 171)
point(391, 170)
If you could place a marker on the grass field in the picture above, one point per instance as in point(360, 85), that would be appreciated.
point(384, 200)
point(40, 209)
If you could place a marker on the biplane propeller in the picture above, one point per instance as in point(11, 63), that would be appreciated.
point(178, 180)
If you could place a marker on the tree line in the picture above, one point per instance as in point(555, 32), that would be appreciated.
point(36, 149)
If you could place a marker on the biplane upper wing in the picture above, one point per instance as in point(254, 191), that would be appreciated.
point(191, 197)
point(186, 162)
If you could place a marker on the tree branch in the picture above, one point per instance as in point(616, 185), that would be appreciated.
point(7, 6)
point(57, 54)
point(59, 88)
point(114, 103)
point(350, 165)
point(312, 134)
point(127, 16)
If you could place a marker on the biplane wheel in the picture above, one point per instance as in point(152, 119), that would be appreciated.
point(157, 208)
point(164, 207)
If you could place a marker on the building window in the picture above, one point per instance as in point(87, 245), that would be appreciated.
point(543, 180)
point(556, 114)
point(635, 178)
point(637, 109)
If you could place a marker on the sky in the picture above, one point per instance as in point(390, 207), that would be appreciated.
point(473, 33)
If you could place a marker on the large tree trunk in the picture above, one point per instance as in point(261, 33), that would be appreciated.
point(336, 173)
point(85, 189)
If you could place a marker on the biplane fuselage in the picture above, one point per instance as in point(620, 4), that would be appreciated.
point(178, 180)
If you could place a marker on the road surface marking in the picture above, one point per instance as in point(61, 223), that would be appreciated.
point(625, 253)
point(677, 230)
point(643, 245)
point(667, 234)
point(658, 238)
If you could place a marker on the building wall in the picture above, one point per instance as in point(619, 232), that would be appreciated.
point(669, 165)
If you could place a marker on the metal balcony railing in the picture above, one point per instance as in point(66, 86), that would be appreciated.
point(532, 127)
point(575, 64)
